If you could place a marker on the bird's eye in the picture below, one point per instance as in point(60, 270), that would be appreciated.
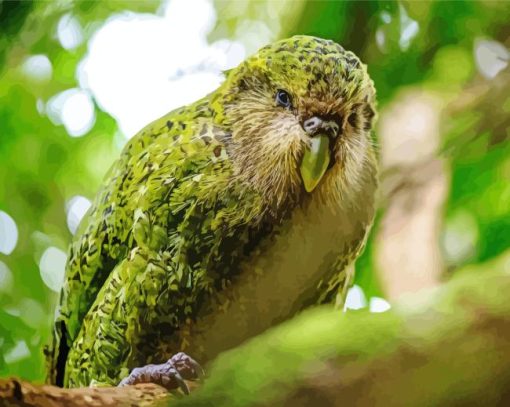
point(283, 99)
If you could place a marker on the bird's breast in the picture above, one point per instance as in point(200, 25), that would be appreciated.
point(277, 278)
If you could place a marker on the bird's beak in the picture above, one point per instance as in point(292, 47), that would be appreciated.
point(315, 161)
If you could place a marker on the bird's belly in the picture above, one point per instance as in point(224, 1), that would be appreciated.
point(276, 280)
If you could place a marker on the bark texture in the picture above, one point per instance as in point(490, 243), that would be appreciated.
point(19, 393)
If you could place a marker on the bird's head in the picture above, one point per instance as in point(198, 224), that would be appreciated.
point(299, 113)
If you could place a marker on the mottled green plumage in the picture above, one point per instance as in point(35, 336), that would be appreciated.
point(193, 232)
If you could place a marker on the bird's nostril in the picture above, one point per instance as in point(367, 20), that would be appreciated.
point(312, 124)
point(329, 124)
point(333, 127)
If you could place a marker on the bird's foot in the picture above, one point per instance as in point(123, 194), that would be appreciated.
point(170, 375)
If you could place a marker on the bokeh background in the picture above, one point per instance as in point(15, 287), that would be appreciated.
point(79, 78)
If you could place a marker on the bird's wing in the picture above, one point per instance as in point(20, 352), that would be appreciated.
point(133, 207)
point(333, 287)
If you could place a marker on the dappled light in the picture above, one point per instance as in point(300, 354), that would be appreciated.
point(17, 353)
point(460, 237)
point(37, 68)
point(69, 32)
point(74, 109)
point(140, 66)
point(51, 266)
point(355, 299)
point(378, 304)
point(6, 279)
point(76, 207)
point(491, 57)
point(8, 233)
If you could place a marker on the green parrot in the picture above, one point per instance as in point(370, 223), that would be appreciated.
point(222, 219)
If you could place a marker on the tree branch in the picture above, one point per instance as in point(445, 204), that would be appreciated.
point(19, 393)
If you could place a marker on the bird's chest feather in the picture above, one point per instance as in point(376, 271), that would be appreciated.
point(277, 279)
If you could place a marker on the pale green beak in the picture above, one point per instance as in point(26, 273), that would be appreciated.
point(315, 162)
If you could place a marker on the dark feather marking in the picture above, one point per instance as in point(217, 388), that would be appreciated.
point(63, 351)
point(353, 119)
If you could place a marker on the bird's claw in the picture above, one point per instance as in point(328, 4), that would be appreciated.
point(171, 374)
point(187, 366)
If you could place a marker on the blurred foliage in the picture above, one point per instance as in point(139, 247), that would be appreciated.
point(430, 45)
